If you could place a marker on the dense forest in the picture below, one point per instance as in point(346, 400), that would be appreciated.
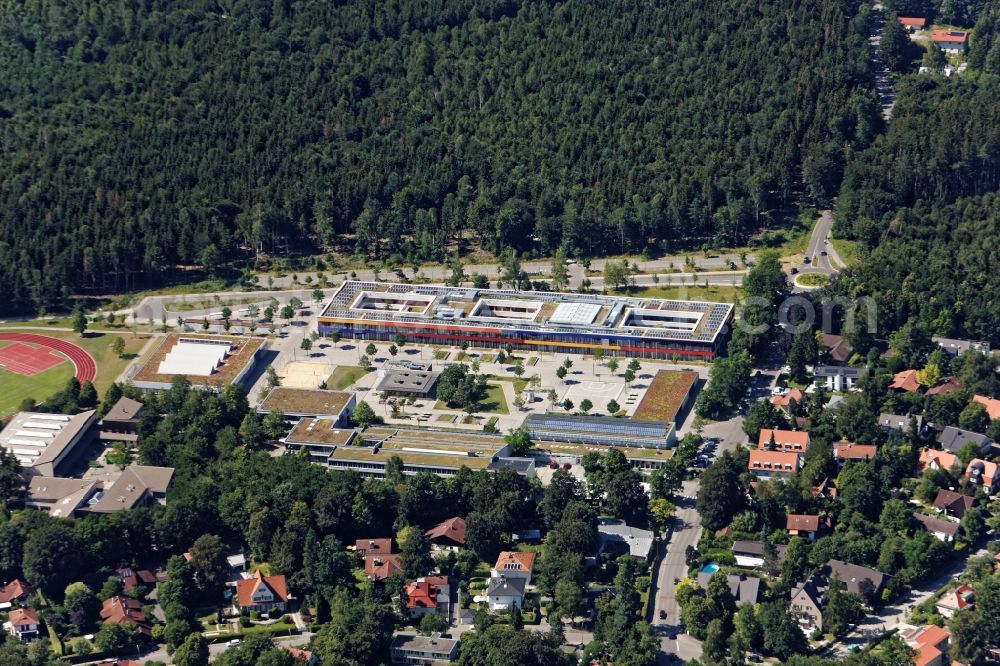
point(140, 136)
point(922, 201)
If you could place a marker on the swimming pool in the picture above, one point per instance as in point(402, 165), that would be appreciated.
point(710, 568)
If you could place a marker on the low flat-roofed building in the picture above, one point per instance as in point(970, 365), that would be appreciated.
point(207, 361)
point(319, 437)
point(399, 381)
point(606, 430)
point(638, 542)
point(957, 346)
point(47, 444)
point(310, 403)
point(420, 650)
point(539, 321)
point(754, 553)
point(121, 421)
point(138, 485)
point(644, 460)
point(441, 452)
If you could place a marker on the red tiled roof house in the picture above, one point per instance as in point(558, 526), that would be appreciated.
point(261, 593)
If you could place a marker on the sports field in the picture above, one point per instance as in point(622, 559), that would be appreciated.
point(29, 368)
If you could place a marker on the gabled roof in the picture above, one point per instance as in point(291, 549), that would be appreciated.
point(912, 21)
point(380, 546)
point(126, 409)
point(452, 530)
point(992, 405)
point(959, 598)
point(756, 548)
point(905, 381)
point(787, 398)
point(132, 578)
point(950, 36)
point(513, 560)
point(421, 594)
point(745, 589)
point(851, 451)
point(15, 589)
point(936, 525)
point(986, 470)
point(946, 385)
point(936, 459)
point(798, 439)
point(381, 566)
point(127, 610)
point(246, 588)
point(802, 523)
point(957, 503)
point(501, 586)
point(853, 575)
point(837, 347)
point(784, 462)
point(899, 421)
point(953, 439)
point(22, 616)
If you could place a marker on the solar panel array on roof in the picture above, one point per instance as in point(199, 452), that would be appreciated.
point(598, 424)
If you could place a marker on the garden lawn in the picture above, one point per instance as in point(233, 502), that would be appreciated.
point(344, 376)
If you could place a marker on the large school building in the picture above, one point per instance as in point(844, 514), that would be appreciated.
point(534, 320)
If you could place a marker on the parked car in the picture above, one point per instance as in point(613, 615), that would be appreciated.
point(233, 643)
point(567, 466)
point(663, 615)
point(553, 464)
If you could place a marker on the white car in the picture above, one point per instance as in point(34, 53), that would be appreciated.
point(777, 390)
point(233, 643)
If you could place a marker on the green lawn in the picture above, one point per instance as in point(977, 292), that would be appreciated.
point(813, 280)
point(847, 250)
point(345, 375)
point(14, 388)
point(493, 403)
point(697, 292)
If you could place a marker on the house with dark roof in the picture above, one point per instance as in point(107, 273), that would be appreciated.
point(944, 530)
point(448, 534)
point(745, 589)
point(261, 593)
point(952, 504)
point(807, 601)
point(836, 348)
point(133, 578)
point(955, 346)
point(953, 439)
point(755, 553)
point(380, 567)
point(862, 581)
point(504, 592)
point(373, 546)
point(414, 649)
point(121, 421)
point(945, 386)
point(836, 377)
point(900, 422)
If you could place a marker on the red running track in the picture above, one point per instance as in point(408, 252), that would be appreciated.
point(86, 368)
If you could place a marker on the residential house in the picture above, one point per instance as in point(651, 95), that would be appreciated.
point(953, 439)
point(847, 451)
point(836, 348)
point(807, 600)
point(952, 601)
point(433, 650)
point(900, 423)
point(954, 505)
point(912, 23)
point(945, 386)
point(302, 657)
point(380, 567)
point(862, 581)
point(373, 546)
point(126, 610)
point(983, 473)
point(992, 405)
point(754, 553)
point(616, 534)
point(15, 591)
point(449, 534)
point(514, 564)
point(745, 589)
point(504, 592)
point(943, 460)
point(952, 41)
point(956, 346)
point(261, 593)
point(930, 643)
point(783, 440)
point(802, 525)
point(22, 624)
point(837, 378)
point(767, 464)
point(944, 530)
point(121, 422)
point(905, 381)
point(428, 596)
point(788, 400)
point(132, 578)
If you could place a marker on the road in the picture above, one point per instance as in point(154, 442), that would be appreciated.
point(822, 257)
point(886, 96)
